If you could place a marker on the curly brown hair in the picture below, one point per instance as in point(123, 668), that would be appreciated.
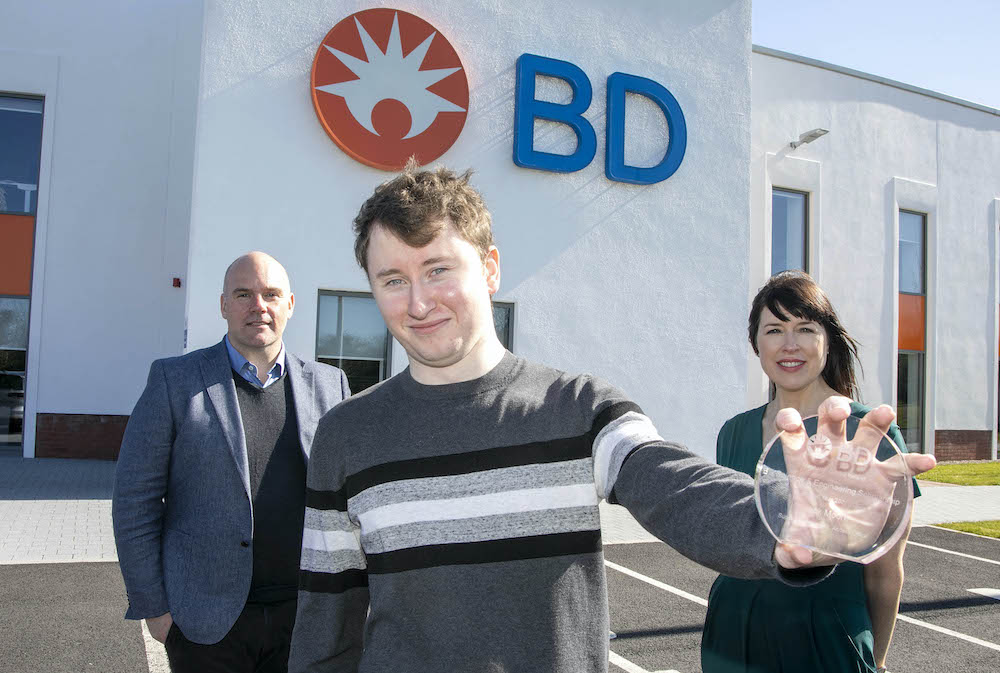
point(417, 204)
point(797, 293)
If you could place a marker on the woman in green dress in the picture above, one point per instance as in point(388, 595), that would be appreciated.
point(844, 623)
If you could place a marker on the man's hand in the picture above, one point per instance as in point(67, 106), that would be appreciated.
point(159, 627)
point(832, 508)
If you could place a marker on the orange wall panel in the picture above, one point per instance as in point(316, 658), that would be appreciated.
point(17, 237)
point(911, 322)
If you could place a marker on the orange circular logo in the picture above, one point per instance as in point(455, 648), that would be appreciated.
point(386, 86)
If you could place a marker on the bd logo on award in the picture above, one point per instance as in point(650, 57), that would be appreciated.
point(386, 86)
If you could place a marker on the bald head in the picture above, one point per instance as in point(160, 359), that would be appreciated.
point(255, 260)
point(256, 302)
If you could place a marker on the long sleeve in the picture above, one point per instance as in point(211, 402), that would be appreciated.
point(702, 510)
point(333, 579)
point(137, 503)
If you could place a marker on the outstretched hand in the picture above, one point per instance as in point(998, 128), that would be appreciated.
point(839, 493)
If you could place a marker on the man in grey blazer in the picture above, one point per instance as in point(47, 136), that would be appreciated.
point(210, 485)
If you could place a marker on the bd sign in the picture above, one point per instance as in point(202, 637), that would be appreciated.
point(387, 86)
point(527, 108)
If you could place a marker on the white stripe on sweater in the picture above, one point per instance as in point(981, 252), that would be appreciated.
point(527, 500)
point(620, 435)
point(329, 540)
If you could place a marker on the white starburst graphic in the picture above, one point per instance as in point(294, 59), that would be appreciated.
point(392, 76)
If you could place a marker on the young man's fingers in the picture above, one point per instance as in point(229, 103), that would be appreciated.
point(789, 422)
point(792, 556)
point(833, 413)
point(873, 426)
point(917, 463)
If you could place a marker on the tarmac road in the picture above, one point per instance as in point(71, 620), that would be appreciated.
point(61, 617)
point(66, 618)
point(658, 630)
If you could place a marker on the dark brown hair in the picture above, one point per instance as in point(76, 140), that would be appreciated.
point(417, 204)
point(797, 293)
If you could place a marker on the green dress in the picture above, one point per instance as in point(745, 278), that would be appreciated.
point(765, 626)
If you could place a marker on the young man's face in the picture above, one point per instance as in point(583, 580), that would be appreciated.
point(435, 299)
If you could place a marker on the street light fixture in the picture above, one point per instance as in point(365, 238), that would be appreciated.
point(808, 137)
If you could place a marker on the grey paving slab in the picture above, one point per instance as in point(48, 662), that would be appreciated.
point(55, 511)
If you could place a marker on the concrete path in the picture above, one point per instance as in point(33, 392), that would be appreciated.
point(938, 503)
point(54, 510)
point(945, 503)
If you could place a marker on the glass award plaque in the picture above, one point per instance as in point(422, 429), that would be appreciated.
point(844, 493)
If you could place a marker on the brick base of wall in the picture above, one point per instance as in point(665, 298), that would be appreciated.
point(79, 436)
point(962, 444)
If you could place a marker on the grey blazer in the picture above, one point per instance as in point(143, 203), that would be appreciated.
point(181, 506)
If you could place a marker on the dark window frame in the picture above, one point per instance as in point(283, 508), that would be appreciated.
point(509, 305)
point(385, 363)
point(922, 392)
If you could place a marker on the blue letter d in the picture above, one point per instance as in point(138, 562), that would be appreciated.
point(614, 157)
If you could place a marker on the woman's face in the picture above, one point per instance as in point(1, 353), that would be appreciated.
point(792, 352)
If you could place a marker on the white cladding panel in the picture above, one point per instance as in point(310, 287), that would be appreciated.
point(115, 200)
point(642, 285)
point(646, 286)
point(882, 137)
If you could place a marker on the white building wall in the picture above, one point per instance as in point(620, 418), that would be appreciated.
point(120, 80)
point(644, 286)
point(888, 147)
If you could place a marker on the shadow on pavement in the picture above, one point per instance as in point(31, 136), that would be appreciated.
point(55, 479)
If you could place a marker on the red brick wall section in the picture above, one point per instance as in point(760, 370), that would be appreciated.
point(962, 444)
point(79, 436)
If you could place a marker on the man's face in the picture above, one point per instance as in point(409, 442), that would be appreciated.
point(435, 299)
point(256, 302)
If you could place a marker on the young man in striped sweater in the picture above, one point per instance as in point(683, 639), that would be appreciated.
point(452, 516)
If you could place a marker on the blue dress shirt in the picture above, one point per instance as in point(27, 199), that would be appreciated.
point(248, 370)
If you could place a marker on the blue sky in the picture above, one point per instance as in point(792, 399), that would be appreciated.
point(949, 47)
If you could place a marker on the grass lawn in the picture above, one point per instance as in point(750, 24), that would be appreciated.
point(989, 528)
point(966, 474)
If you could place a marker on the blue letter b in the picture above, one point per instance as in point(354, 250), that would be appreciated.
point(527, 109)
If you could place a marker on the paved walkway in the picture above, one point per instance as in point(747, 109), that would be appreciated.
point(938, 503)
point(55, 510)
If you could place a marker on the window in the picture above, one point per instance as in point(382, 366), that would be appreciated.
point(910, 361)
point(911, 252)
point(21, 138)
point(910, 399)
point(13, 333)
point(350, 334)
point(503, 320)
point(789, 228)
point(20, 160)
point(13, 349)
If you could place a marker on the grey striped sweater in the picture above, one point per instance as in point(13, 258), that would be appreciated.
point(456, 527)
